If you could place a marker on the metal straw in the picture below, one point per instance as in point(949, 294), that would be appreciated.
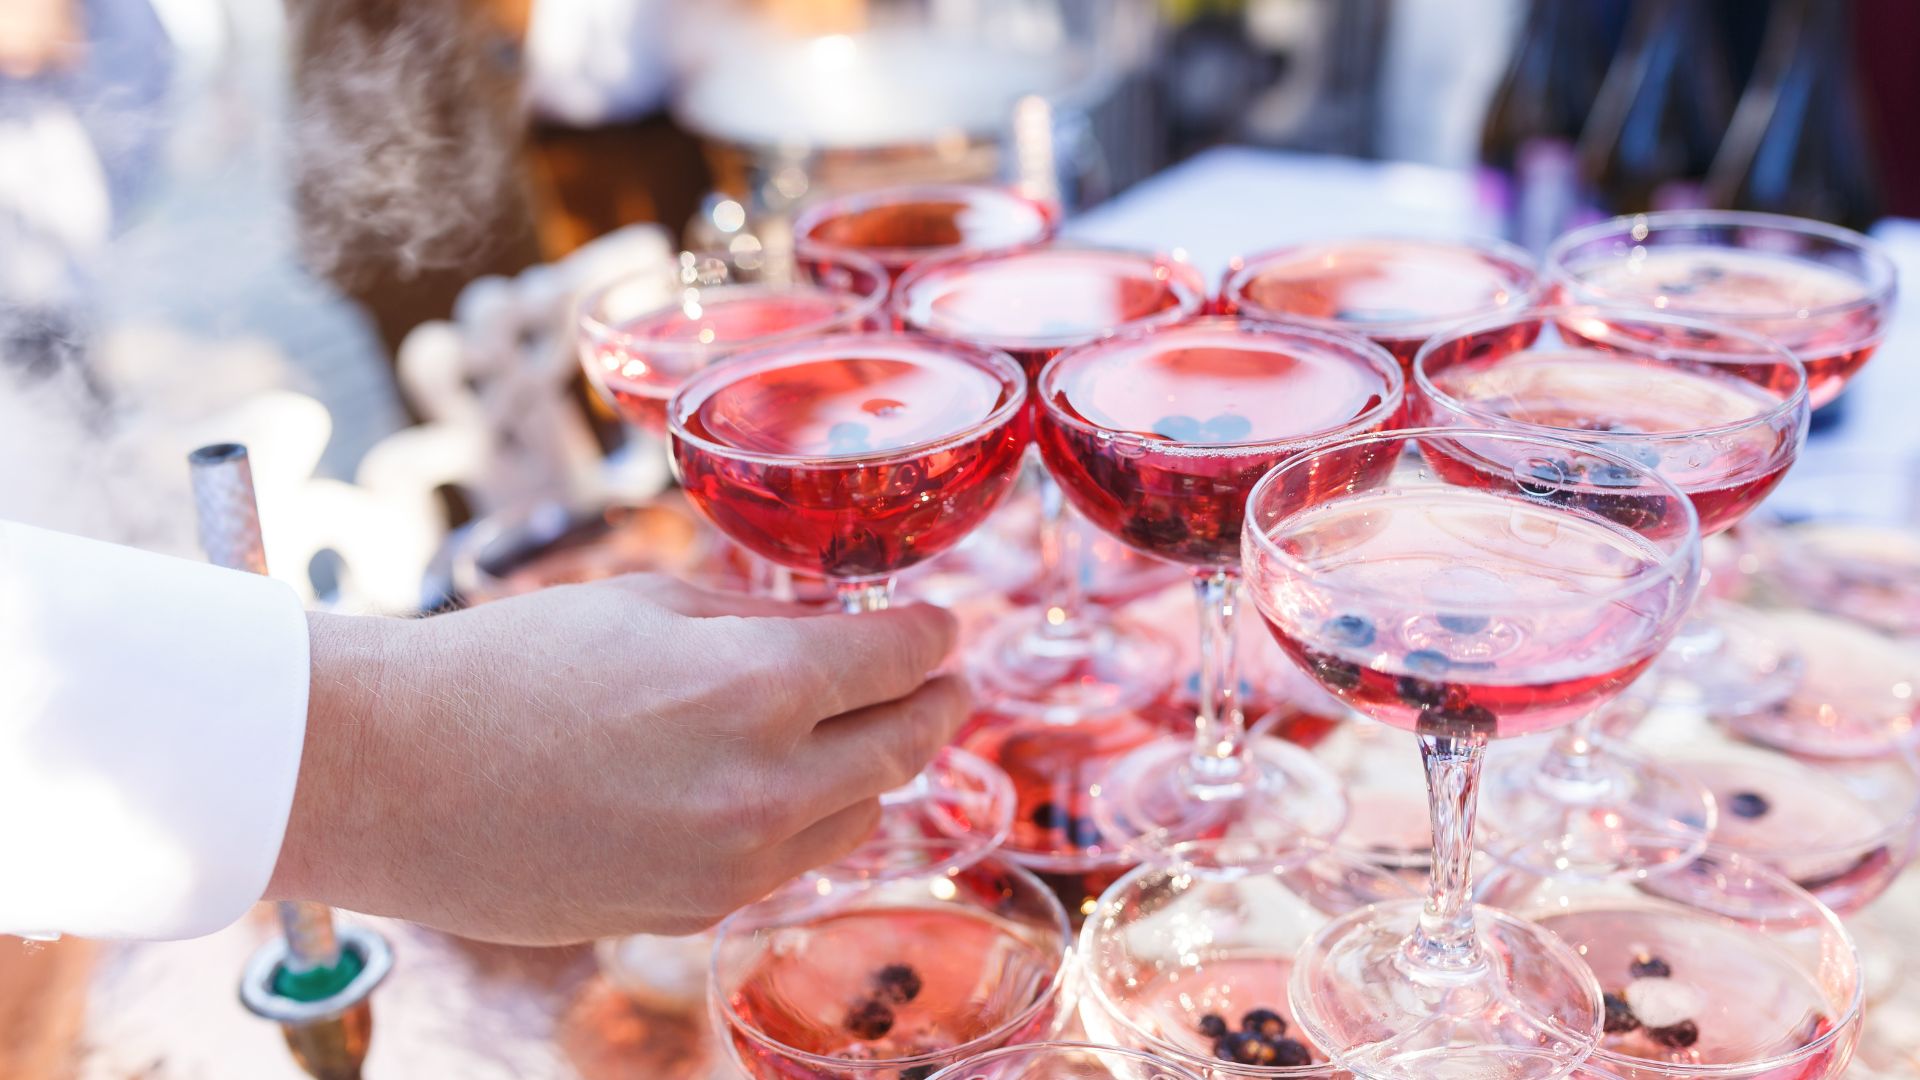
point(308, 983)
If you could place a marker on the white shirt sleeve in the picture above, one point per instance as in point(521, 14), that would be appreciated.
point(152, 714)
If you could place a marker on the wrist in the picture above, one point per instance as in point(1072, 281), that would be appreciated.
point(350, 660)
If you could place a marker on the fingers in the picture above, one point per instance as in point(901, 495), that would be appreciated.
point(825, 841)
point(699, 603)
point(881, 747)
point(841, 663)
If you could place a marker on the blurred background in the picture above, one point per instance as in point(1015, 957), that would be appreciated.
point(234, 216)
point(350, 234)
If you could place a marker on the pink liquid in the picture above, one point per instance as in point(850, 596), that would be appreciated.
point(1159, 401)
point(1396, 292)
point(1750, 999)
point(1461, 611)
point(816, 499)
point(815, 990)
point(1726, 474)
point(1758, 291)
point(902, 226)
point(641, 362)
point(1035, 303)
point(1171, 1004)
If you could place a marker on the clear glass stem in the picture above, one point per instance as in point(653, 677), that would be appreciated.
point(861, 596)
point(1061, 557)
point(1220, 735)
point(1444, 942)
point(1572, 768)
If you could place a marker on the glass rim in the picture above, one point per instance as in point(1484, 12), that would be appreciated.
point(1301, 852)
point(1179, 1071)
point(1684, 556)
point(1832, 930)
point(865, 199)
point(1794, 402)
point(726, 1017)
point(1881, 276)
point(919, 274)
point(1354, 345)
point(592, 326)
point(696, 390)
point(1242, 269)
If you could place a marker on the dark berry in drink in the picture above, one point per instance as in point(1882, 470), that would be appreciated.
point(1463, 624)
point(1620, 1018)
point(869, 1020)
point(897, 983)
point(1457, 722)
point(1291, 1053)
point(1265, 1023)
point(918, 1072)
point(1213, 1025)
point(1335, 673)
point(1083, 832)
point(1049, 815)
point(1646, 966)
point(1676, 1036)
point(1748, 805)
point(1347, 631)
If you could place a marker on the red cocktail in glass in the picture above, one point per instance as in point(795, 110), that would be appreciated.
point(644, 334)
point(1050, 669)
point(1157, 437)
point(855, 457)
point(1396, 292)
point(900, 226)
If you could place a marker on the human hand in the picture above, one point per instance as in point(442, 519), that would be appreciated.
point(632, 755)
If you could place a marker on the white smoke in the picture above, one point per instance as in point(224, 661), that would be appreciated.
point(403, 135)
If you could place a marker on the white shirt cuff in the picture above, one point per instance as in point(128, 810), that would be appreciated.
point(152, 715)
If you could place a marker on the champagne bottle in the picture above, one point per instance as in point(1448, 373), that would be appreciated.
point(1798, 143)
point(1662, 109)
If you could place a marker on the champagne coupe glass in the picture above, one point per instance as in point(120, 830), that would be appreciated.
point(1064, 1061)
point(1062, 662)
point(1822, 292)
point(1156, 437)
point(901, 225)
point(1719, 969)
point(855, 457)
point(1496, 584)
point(889, 978)
point(643, 334)
point(1394, 291)
point(1189, 959)
point(1719, 412)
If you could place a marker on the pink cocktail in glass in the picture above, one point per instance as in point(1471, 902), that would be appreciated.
point(1431, 599)
point(1396, 292)
point(1717, 412)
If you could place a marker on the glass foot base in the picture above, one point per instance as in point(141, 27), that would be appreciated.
point(1729, 664)
point(1055, 769)
point(1632, 816)
point(1530, 1011)
point(1855, 696)
point(1114, 666)
point(955, 813)
point(1149, 802)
